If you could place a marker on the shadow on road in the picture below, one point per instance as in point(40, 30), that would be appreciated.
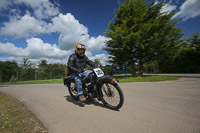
point(82, 104)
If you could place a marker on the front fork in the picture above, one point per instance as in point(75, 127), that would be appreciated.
point(99, 90)
point(107, 90)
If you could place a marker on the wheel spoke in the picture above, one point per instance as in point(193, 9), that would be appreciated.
point(73, 89)
point(110, 94)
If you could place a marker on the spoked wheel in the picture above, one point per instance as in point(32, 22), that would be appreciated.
point(72, 90)
point(113, 97)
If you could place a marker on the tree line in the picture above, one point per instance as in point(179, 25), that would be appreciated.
point(28, 70)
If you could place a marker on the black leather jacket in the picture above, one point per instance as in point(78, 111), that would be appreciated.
point(77, 63)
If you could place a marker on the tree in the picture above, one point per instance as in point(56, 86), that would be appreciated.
point(55, 71)
point(194, 43)
point(43, 64)
point(188, 60)
point(193, 53)
point(140, 32)
point(27, 70)
point(7, 69)
point(27, 64)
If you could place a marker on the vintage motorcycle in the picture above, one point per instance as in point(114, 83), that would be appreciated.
point(96, 85)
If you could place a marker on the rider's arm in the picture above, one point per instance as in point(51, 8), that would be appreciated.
point(70, 64)
point(89, 62)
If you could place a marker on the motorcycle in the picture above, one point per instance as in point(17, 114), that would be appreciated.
point(96, 85)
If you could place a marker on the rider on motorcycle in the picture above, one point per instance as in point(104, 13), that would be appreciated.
point(76, 65)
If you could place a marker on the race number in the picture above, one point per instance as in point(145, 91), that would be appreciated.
point(98, 72)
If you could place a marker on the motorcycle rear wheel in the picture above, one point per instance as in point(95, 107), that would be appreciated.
point(112, 96)
point(72, 90)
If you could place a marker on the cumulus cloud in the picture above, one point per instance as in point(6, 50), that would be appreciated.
point(9, 49)
point(24, 27)
point(71, 31)
point(36, 48)
point(4, 4)
point(103, 58)
point(97, 43)
point(42, 9)
point(189, 9)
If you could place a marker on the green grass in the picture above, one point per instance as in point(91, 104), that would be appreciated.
point(41, 81)
point(146, 78)
point(49, 81)
point(120, 78)
point(16, 118)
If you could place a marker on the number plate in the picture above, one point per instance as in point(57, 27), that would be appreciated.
point(98, 72)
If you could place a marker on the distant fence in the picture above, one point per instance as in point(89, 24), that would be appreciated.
point(30, 75)
point(0, 76)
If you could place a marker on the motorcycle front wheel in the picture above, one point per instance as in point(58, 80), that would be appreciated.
point(112, 95)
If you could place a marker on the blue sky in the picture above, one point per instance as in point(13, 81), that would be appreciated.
point(50, 29)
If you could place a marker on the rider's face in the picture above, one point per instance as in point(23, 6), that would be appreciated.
point(81, 50)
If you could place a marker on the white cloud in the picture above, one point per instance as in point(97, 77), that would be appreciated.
point(9, 49)
point(102, 57)
point(4, 4)
point(168, 8)
point(97, 43)
point(72, 32)
point(189, 9)
point(36, 48)
point(42, 8)
point(24, 27)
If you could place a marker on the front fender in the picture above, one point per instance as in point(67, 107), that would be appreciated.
point(110, 80)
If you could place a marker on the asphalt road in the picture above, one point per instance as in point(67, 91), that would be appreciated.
point(150, 107)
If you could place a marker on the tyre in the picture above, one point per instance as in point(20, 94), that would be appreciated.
point(112, 96)
point(72, 90)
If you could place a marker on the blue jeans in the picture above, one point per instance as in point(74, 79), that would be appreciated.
point(78, 81)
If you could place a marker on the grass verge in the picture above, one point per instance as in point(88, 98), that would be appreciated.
point(16, 118)
point(49, 81)
point(146, 78)
point(120, 78)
